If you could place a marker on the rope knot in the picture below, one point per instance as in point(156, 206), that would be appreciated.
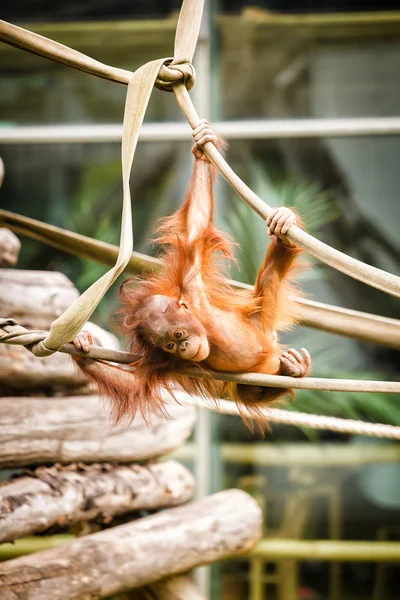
point(172, 73)
point(12, 333)
point(40, 350)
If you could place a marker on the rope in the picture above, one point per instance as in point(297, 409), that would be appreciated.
point(338, 260)
point(75, 243)
point(172, 72)
point(164, 73)
point(12, 333)
point(277, 415)
point(350, 323)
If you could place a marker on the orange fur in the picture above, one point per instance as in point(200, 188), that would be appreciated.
point(240, 325)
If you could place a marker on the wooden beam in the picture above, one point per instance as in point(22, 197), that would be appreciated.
point(65, 495)
point(262, 26)
point(35, 431)
point(138, 553)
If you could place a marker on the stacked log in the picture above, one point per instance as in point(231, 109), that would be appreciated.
point(34, 431)
point(35, 299)
point(79, 470)
point(137, 553)
point(63, 495)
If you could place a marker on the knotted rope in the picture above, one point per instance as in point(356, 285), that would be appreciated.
point(165, 73)
point(12, 333)
point(176, 75)
point(171, 73)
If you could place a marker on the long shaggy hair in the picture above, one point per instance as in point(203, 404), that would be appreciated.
point(141, 386)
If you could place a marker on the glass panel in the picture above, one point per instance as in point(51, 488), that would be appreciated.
point(78, 187)
point(266, 65)
point(277, 65)
point(37, 90)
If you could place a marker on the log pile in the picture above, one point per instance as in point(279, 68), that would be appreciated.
point(68, 494)
point(81, 474)
point(34, 431)
point(137, 553)
point(35, 299)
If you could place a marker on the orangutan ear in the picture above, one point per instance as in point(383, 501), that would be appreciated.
point(183, 304)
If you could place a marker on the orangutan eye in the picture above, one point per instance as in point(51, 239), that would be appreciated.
point(184, 305)
point(170, 346)
point(178, 334)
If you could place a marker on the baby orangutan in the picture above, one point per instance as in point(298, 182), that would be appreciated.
point(188, 313)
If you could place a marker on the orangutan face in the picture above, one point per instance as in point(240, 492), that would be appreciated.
point(173, 328)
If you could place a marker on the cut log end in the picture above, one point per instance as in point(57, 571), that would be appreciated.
point(180, 587)
point(9, 247)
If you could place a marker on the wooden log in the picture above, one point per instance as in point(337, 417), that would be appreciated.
point(21, 370)
point(46, 430)
point(35, 298)
point(180, 587)
point(65, 495)
point(9, 247)
point(138, 553)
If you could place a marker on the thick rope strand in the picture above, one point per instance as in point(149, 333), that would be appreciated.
point(12, 333)
point(368, 274)
point(333, 319)
point(32, 42)
point(277, 415)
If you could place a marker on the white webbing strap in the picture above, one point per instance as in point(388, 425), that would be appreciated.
point(68, 325)
point(140, 86)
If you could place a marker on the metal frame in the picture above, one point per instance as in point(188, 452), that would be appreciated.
point(179, 131)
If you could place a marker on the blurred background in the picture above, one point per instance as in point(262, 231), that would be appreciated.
point(256, 61)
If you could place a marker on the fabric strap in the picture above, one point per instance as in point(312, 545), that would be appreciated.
point(171, 73)
point(140, 86)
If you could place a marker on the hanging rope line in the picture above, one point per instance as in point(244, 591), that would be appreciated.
point(277, 415)
point(171, 74)
point(333, 319)
point(140, 87)
point(12, 333)
point(368, 274)
point(177, 75)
